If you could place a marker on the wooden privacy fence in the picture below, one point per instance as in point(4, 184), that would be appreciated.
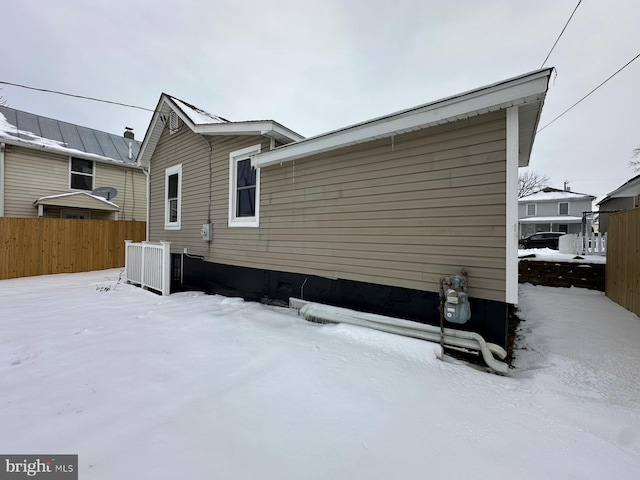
point(623, 259)
point(41, 246)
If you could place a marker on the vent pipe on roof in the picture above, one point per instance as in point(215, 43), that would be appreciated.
point(128, 133)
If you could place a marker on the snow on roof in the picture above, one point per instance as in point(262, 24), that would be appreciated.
point(96, 197)
point(28, 129)
point(197, 115)
point(628, 189)
point(547, 196)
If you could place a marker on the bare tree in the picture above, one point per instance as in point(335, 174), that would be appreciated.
point(531, 181)
point(634, 163)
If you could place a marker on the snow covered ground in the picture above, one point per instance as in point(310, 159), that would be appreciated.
point(197, 386)
point(550, 255)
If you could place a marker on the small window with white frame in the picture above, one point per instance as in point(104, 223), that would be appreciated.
point(563, 208)
point(244, 188)
point(172, 197)
point(531, 209)
point(81, 174)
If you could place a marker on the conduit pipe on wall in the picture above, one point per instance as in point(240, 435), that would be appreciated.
point(455, 338)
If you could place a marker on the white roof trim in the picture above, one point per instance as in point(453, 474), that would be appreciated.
point(108, 205)
point(167, 104)
point(631, 188)
point(517, 91)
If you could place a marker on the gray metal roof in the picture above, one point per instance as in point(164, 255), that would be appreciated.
point(48, 132)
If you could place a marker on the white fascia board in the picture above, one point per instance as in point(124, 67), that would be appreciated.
point(513, 153)
point(267, 128)
point(152, 134)
point(507, 94)
point(629, 190)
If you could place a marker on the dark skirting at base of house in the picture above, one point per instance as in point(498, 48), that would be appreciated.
point(488, 318)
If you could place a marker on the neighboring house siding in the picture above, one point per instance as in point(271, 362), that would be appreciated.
point(31, 174)
point(131, 186)
point(616, 203)
point(399, 211)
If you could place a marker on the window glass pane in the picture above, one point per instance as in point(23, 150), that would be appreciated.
point(173, 186)
point(246, 202)
point(531, 209)
point(246, 174)
point(564, 228)
point(82, 182)
point(173, 210)
point(564, 209)
point(80, 165)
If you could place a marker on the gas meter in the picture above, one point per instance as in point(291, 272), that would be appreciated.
point(456, 302)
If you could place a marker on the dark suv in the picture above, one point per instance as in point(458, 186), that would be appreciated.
point(541, 240)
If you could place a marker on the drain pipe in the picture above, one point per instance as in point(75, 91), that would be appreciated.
point(2, 147)
point(320, 313)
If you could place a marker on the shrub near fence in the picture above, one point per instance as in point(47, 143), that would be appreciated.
point(623, 259)
point(41, 246)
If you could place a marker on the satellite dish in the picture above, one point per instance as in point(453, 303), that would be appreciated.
point(105, 192)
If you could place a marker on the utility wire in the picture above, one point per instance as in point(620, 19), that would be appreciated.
point(617, 72)
point(77, 96)
point(557, 39)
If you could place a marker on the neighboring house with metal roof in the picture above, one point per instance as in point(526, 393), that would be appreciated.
point(554, 210)
point(370, 216)
point(52, 168)
point(625, 197)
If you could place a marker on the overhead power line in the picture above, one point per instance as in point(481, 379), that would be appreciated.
point(563, 29)
point(77, 96)
point(617, 72)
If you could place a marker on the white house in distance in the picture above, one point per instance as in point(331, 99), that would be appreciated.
point(554, 210)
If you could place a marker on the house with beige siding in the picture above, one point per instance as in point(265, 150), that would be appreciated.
point(369, 216)
point(55, 169)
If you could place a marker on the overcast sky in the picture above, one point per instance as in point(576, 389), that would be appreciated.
point(319, 65)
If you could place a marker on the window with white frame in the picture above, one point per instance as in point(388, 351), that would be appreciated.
point(81, 174)
point(531, 209)
point(563, 208)
point(244, 188)
point(172, 197)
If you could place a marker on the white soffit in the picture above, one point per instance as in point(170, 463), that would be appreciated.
point(526, 91)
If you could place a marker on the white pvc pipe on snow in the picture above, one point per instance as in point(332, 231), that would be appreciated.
point(455, 338)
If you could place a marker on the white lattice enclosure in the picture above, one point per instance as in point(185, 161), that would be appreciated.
point(149, 265)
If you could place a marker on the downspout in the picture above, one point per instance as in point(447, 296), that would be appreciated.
point(2, 146)
point(147, 175)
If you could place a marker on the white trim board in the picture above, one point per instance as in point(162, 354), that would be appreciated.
point(511, 272)
point(527, 89)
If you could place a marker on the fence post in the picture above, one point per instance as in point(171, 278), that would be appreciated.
point(143, 277)
point(126, 257)
point(166, 268)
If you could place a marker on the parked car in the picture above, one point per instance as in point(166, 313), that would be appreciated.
point(541, 240)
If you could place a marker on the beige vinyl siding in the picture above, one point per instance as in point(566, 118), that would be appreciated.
point(399, 211)
point(192, 151)
point(31, 174)
point(131, 186)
